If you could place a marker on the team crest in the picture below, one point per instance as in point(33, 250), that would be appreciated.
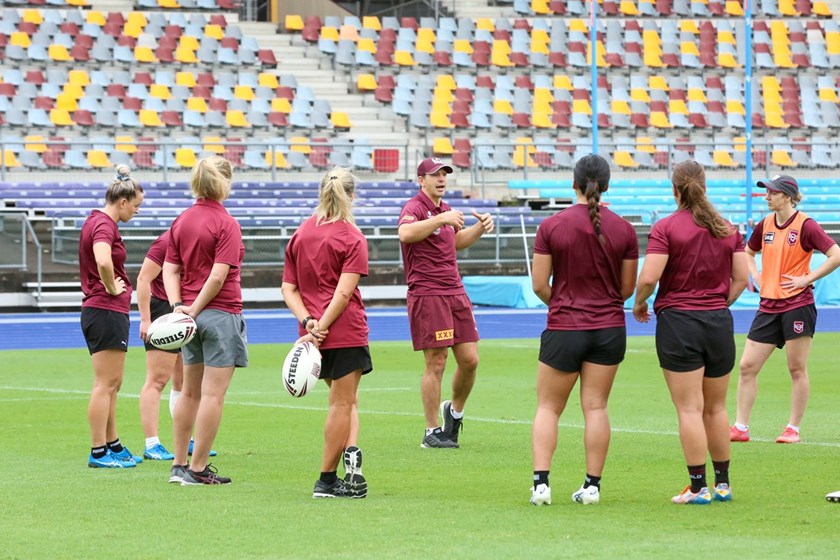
point(793, 235)
point(769, 236)
point(798, 327)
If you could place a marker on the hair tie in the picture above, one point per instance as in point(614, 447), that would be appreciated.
point(121, 177)
point(333, 177)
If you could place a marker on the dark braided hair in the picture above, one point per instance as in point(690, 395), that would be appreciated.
point(592, 177)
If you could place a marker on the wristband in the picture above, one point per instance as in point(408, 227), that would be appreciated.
point(176, 304)
point(304, 321)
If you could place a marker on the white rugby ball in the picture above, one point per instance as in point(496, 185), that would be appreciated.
point(302, 369)
point(171, 331)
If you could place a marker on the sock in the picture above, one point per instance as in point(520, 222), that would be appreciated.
point(152, 441)
point(592, 481)
point(540, 477)
point(697, 474)
point(794, 428)
point(173, 398)
point(721, 472)
point(430, 430)
point(98, 452)
point(455, 414)
point(329, 477)
point(115, 445)
point(742, 427)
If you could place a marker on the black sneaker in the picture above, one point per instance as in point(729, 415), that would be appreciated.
point(451, 426)
point(354, 481)
point(335, 490)
point(208, 476)
point(437, 439)
point(176, 475)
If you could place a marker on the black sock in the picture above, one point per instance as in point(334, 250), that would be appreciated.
point(592, 481)
point(540, 477)
point(329, 477)
point(98, 452)
point(697, 474)
point(721, 472)
point(115, 445)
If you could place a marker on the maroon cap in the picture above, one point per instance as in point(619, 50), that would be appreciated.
point(781, 183)
point(432, 165)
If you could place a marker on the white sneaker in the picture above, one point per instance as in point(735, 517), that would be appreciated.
point(833, 497)
point(541, 495)
point(588, 495)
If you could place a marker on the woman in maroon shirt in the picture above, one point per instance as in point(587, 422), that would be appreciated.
point(698, 260)
point(104, 318)
point(585, 260)
point(325, 259)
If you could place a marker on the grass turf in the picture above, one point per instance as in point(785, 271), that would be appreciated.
point(466, 503)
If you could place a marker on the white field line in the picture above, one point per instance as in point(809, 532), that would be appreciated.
point(642, 431)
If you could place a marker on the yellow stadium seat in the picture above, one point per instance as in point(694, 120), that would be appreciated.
point(652, 59)
point(740, 143)
point(578, 25)
point(539, 44)
point(620, 107)
point(366, 82)
point(657, 83)
point(185, 55)
point(59, 53)
point(20, 39)
point(170, 4)
point(828, 94)
point(727, 60)
point(96, 17)
point(736, 107)
point(519, 157)
point(366, 44)
point(425, 46)
point(328, 32)
point(821, 9)
point(281, 105)
point(132, 30)
point(733, 8)
point(236, 119)
point(426, 34)
point(542, 119)
point(160, 91)
point(442, 105)
point(371, 22)
point(485, 24)
point(9, 160)
point(340, 119)
point(243, 92)
point(788, 9)
point(33, 16)
point(628, 8)
point(137, 19)
point(276, 159)
point(723, 158)
point(185, 157)
point(98, 159)
point(294, 22)
point(148, 117)
point(79, 77)
point(75, 91)
point(562, 81)
point(502, 106)
point(832, 42)
point(197, 104)
point(500, 54)
point(185, 79)
point(462, 45)
point(689, 25)
point(442, 146)
point(213, 144)
point(34, 143)
point(689, 47)
point(440, 119)
point(677, 107)
point(775, 120)
point(189, 42)
point(267, 79)
point(78, 3)
point(659, 119)
point(581, 106)
point(639, 94)
point(782, 158)
point(645, 144)
point(696, 94)
point(66, 102)
point(145, 54)
point(61, 117)
point(725, 36)
point(214, 30)
point(300, 144)
point(541, 8)
point(404, 58)
point(443, 94)
point(624, 159)
point(125, 144)
point(543, 94)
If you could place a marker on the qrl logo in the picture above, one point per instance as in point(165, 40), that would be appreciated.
point(793, 235)
point(798, 327)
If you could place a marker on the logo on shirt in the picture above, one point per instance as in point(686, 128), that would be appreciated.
point(769, 237)
point(798, 327)
point(793, 235)
point(436, 232)
point(445, 335)
point(407, 218)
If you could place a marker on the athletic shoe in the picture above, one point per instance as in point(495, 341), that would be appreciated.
point(190, 450)
point(688, 497)
point(208, 476)
point(588, 495)
point(353, 479)
point(176, 475)
point(126, 455)
point(833, 497)
point(158, 453)
point(788, 436)
point(337, 489)
point(540, 495)
point(437, 439)
point(451, 425)
point(738, 435)
point(722, 493)
point(109, 461)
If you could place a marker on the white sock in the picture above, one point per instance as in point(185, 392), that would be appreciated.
point(742, 427)
point(152, 441)
point(794, 428)
point(455, 414)
point(173, 398)
point(430, 430)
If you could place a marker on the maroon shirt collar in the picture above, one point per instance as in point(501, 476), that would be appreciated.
point(427, 201)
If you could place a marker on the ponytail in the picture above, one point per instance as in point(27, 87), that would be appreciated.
point(592, 177)
point(335, 197)
point(689, 182)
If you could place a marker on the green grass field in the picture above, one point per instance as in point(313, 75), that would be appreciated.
point(465, 503)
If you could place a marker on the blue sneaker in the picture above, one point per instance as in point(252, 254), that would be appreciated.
point(158, 453)
point(109, 461)
point(722, 493)
point(190, 450)
point(126, 455)
point(702, 497)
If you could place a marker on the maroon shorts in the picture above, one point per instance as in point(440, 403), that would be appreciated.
point(440, 321)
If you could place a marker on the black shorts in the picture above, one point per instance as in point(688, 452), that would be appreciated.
point(104, 329)
point(159, 308)
point(338, 362)
point(690, 340)
point(568, 350)
point(776, 328)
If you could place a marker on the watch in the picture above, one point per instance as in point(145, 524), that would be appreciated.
point(176, 304)
point(304, 321)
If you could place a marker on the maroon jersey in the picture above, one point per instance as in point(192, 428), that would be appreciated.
point(431, 267)
point(157, 254)
point(201, 236)
point(99, 227)
point(586, 284)
point(699, 269)
point(316, 256)
point(811, 237)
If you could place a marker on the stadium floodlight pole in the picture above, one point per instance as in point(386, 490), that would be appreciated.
point(593, 65)
point(748, 99)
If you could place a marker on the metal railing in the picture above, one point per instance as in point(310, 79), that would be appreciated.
point(16, 232)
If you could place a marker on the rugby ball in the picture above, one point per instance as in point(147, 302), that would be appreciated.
point(302, 369)
point(171, 331)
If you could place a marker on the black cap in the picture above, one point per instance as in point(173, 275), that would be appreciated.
point(781, 183)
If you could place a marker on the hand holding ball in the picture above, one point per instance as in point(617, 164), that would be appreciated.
point(301, 369)
point(171, 331)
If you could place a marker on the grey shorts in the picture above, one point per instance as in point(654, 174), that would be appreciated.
point(220, 341)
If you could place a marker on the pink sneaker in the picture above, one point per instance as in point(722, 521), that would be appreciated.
point(738, 435)
point(788, 436)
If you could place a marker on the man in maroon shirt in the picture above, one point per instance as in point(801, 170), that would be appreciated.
point(439, 311)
